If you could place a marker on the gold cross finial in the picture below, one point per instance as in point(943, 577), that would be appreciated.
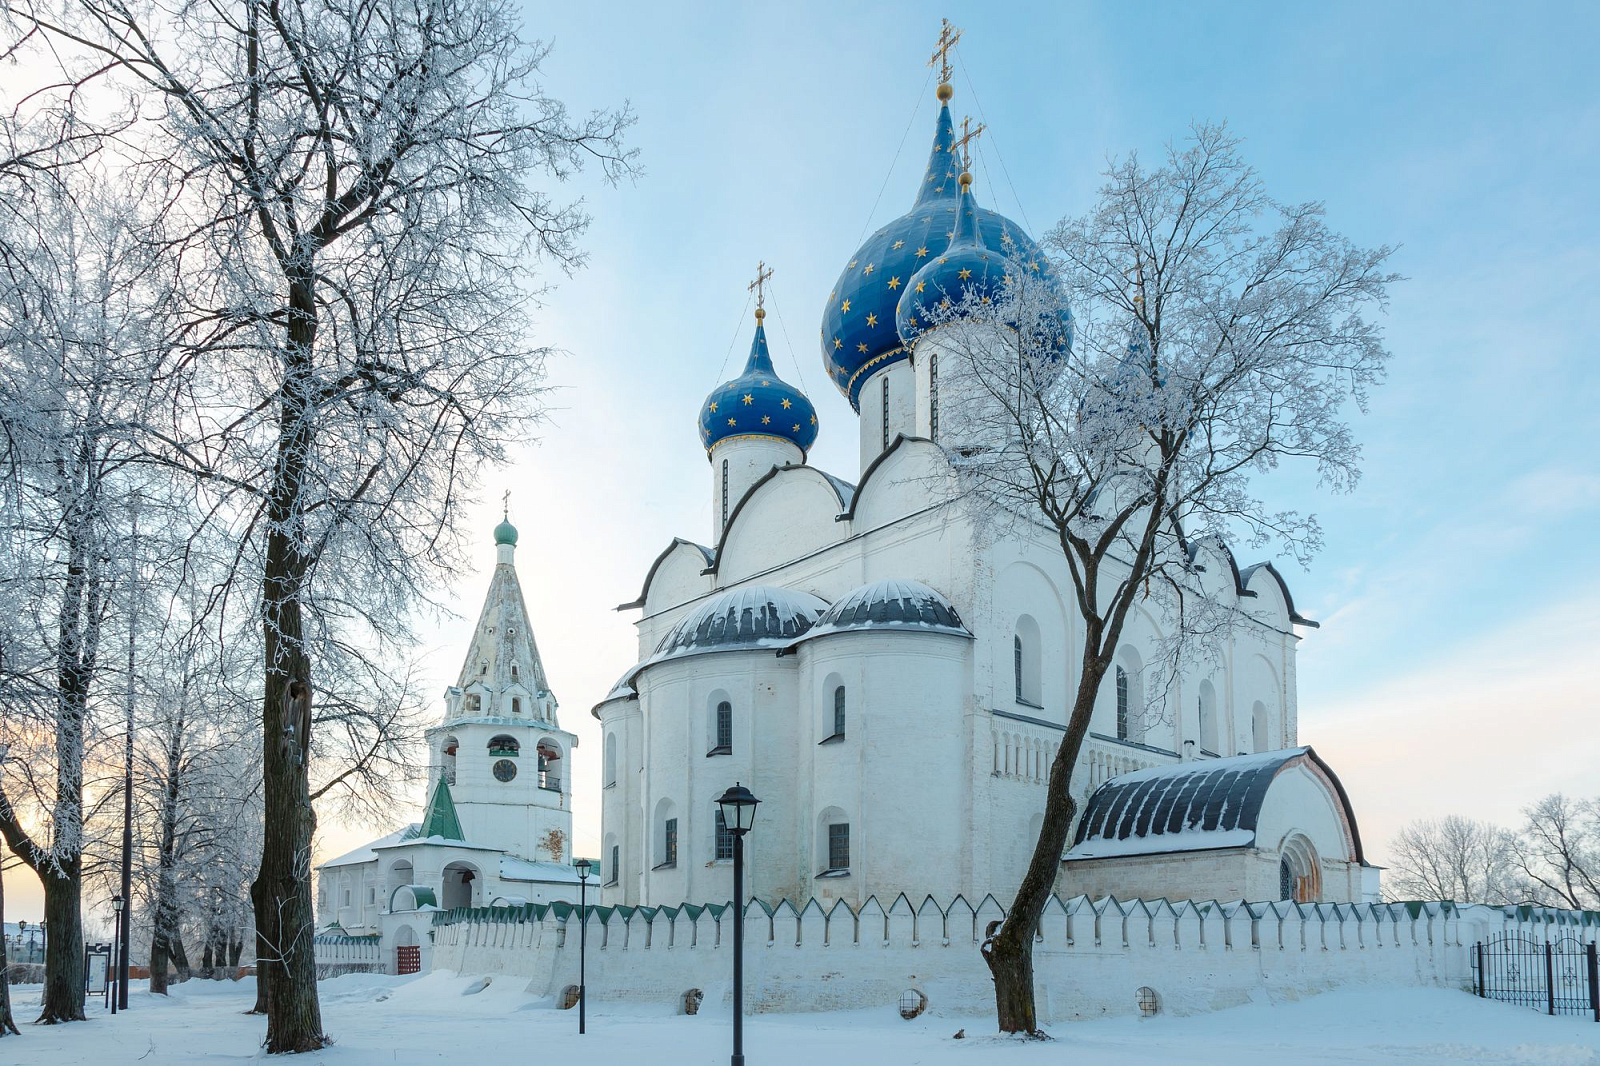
point(948, 36)
point(961, 144)
point(505, 505)
point(763, 274)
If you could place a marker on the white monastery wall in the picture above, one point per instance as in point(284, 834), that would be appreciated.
point(1090, 958)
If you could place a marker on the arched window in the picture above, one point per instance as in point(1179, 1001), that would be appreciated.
point(1258, 725)
point(611, 759)
point(549, 766)
point(666, 835)
point(721, 729)
point(933, 397)
point(1025, 663)
point(514, 671)
point(1122, 704)
point(1299, 872)
point(724, 492)
point(722, 844)
point(502, 745)
point(833, 843)
point(838, 846)
point(616, 864)
point(516, 705)
point(838, 711)
point(1208, 719)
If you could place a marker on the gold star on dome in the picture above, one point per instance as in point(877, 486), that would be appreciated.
point(713, 407)
point(945, 302)
point(894, 283)
point(765, 384)
point(913, 321)
point(985, 300)
point(949, 236)
point(872, 319)
point(1034, 266)
point(896, 246)
point(928, 218)
point(837, 344)
point(1005, 238)
point(765, 419)
point(851, 265)
point(862, 348)
point(813, 420)
point(940, 188)
point(964, 274)
point(922, 251)
point(869, 269)
point(921, 285)
point(795, 428)
point(749, 399)
point(845, 307)
point(732, 422)
point(787, 403)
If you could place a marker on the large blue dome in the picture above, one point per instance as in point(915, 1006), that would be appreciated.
point(758, 403)
point(859, 336)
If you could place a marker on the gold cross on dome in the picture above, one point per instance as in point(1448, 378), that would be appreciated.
point(961, 143)
point(948, 36)
point(505, 505)
point(763, 275)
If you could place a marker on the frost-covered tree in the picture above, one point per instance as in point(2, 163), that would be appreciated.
point(74, 317)
point(1216, 332)
point(344, 186)
point(1453, 858)
point(1558, 852)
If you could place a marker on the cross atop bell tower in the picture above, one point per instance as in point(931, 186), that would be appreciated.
point(763, 275)
point(948, 36)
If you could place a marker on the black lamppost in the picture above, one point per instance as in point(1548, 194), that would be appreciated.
point(116, 941)
point(583, 939)
point(738, 811)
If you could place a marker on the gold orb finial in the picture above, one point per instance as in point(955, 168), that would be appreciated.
point(761, 312)
point(965, 179)
point(945, 92)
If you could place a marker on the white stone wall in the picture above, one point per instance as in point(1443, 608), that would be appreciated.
point(1090, 958)
point(748, 459)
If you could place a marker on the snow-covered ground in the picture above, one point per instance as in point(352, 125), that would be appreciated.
point(438, 1019)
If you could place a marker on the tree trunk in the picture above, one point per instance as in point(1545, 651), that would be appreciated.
point(63, 949)
point(166, 901)
point(258, 905)
point(7, 1024)
point(285, 919)
point(1009, 950)
point(180, 955)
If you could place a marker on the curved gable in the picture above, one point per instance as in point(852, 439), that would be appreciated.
point(678, 574)
point(1269, 587)
point(789, 513)
point(907, 477)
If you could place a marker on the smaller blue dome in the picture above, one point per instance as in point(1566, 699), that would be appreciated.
point(505, 533)
point(758, 403)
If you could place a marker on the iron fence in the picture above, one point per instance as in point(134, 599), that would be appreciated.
point(1555, 977)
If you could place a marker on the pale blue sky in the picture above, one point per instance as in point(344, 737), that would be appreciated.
point(1456, 667)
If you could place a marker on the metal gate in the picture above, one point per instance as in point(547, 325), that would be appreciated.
point(409, 958)
point(1560, 977)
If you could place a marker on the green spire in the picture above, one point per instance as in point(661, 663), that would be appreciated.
point(440, 819)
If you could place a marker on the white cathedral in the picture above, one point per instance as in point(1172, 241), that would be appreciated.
point(889, 679)
point(893, 686)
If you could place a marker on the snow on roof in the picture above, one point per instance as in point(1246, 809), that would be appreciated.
point(894, 604)
point(1191, 806)
point(514, 869)
point(365, 852)
point(845, 490)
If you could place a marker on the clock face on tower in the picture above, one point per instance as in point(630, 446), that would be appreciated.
point(505, 770)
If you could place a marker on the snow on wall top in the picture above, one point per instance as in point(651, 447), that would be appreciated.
point(1192, 806)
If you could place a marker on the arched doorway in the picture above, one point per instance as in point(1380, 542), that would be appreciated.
point(407, 951)
point(461, 886)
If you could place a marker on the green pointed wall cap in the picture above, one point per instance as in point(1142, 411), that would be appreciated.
point(505, 533)
point(440, 819)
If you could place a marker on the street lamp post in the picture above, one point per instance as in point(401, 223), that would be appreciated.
point(116, 942)
point(583, 940)
point(738, 812)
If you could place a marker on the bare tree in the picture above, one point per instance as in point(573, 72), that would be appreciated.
point(1217, 332)
point(1453, 858)
point(344, 185)
point(1558, 851)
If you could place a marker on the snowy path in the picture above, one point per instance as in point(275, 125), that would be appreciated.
point(385, 1020)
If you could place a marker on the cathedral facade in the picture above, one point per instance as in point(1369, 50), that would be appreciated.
point(892, 679)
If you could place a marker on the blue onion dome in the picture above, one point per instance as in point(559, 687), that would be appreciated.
point(758, 403)
point(858, 325)
point(505, 533)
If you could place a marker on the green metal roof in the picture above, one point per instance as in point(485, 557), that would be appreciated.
point(440, 819)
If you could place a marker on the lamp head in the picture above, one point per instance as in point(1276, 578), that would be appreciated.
point(584, 866)
point(738, 809)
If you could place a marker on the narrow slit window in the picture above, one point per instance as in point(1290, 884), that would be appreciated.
point(839, 846)
point(1122, 704)
point(838, 711)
